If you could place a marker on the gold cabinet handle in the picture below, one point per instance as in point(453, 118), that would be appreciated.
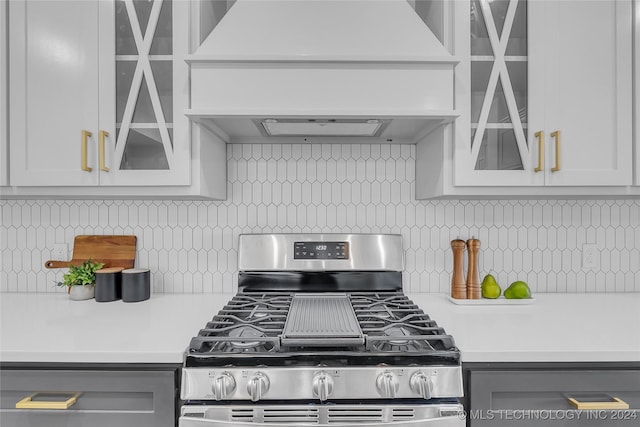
point(83, 151)
point(29, 402)
point(556, 135)
point(540, 136)
point(616, 403)
point(103, 134)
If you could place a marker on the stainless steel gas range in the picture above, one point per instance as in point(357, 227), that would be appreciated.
point(321, 333)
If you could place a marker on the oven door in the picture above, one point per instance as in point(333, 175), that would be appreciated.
point(335, 415)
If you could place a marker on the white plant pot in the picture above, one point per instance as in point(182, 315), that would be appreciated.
point(80, 293)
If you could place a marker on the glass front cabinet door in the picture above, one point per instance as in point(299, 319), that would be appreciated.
point(148, 139)
point(494, 141)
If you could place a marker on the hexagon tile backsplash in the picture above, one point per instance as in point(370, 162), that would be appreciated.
point(192, 246)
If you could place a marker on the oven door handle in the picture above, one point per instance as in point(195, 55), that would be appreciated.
point(448, 421)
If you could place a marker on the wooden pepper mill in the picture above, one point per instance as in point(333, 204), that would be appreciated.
point(473, 281)
point(458, 284)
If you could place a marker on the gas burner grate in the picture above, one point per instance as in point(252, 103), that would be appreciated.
point(256, 323)
point(248, 323)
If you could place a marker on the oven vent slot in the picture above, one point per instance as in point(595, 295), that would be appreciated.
point(275, 416)
point(245, 415)
point(402, 414)
point(354, 415)
point(288, 416)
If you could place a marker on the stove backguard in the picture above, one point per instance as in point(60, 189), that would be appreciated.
point(320, 252)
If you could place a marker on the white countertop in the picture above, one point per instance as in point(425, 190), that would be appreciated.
point(52, 328)
point(556, 328)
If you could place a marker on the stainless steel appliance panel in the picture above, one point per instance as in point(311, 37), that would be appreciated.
point(275, 252)
point(348, 382)
point(341, 415)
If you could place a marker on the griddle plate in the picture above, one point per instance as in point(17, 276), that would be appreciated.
point(324, 320)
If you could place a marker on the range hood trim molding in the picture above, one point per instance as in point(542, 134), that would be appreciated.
point(202, 58)
point(217, 124)
point(222, 113)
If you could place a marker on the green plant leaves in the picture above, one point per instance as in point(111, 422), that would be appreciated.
point(81, 275)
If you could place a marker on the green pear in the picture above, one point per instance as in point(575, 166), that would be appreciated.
point(490, 288)
point(518, 290)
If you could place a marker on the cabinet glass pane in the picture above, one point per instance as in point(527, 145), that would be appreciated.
point(517, 43)
point(162, 39)
point(124, 77)
point(499, 12)
point(519, 83)
point(125, 43)
point(163, 75)
point(499, 151)
point(143, 10)
point(480, 44)
point(499, 112)
point(144, 151)
point(480, 72)
point(143, 111)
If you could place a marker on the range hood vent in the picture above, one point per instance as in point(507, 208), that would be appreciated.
point(320, 70)
point(321, 127)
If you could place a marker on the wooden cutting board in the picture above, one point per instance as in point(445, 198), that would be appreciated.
point(113, 251)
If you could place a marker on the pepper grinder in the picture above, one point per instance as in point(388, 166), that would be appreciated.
point(458, 285)
point(473, 282)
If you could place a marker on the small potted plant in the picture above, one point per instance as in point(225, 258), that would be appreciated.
point(81, 280)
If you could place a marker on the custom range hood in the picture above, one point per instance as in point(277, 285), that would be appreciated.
point(322, 70)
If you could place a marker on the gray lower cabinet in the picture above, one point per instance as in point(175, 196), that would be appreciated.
point(105, 397)
point(540, 397)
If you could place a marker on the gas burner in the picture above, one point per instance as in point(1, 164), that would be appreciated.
point(381, 311)
point(398, 331)
point(244, 332)
point(403, 338)
point(259, 311)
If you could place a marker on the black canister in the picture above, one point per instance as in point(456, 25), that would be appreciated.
point(136, 284)
point(109, 284)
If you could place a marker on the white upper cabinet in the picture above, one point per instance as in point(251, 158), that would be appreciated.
point(4, 175)
point(97, 93)
point(54, 92)
point(637, 90)
point(587, 101)
point(549, 86)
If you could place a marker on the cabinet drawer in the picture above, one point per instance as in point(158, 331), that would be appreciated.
point(107, 398)
point(541, 398)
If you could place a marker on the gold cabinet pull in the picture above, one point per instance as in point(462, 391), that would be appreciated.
point(616, 403)
point(103, 134)
point(83, 151)
point(29, 402)
point(540, 136)
point(556, 135)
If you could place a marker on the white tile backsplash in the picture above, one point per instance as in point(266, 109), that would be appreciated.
point(192, 246)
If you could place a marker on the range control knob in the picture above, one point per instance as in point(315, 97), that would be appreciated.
point(421, 384)
point(387, 384)
point(322, 386)
point(257, 386)
point(223, 386)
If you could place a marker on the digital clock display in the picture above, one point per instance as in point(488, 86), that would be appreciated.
point(321, 250)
